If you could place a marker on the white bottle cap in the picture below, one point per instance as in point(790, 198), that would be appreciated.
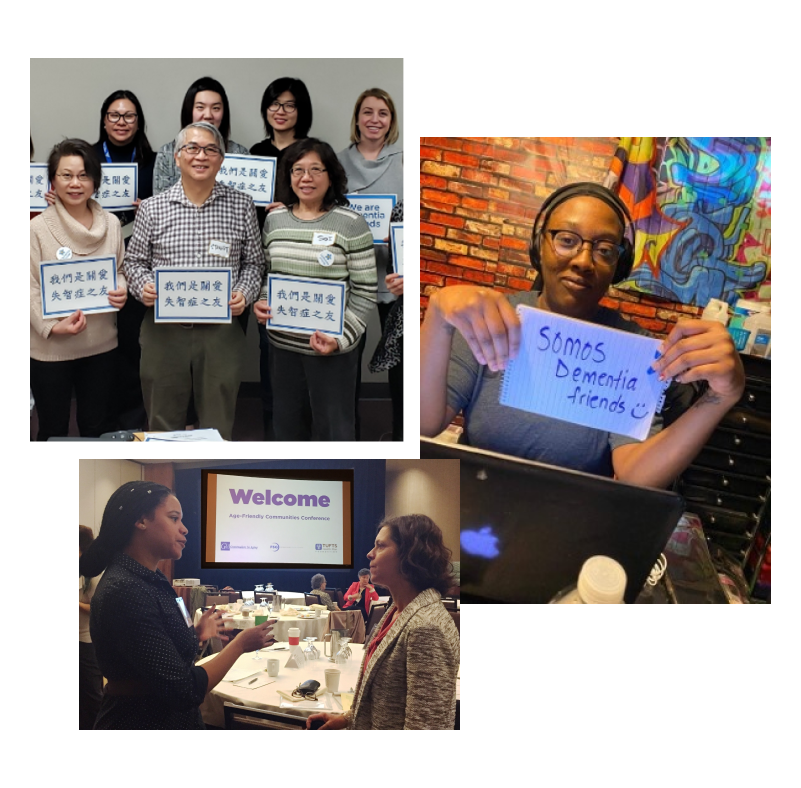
point(602, 581)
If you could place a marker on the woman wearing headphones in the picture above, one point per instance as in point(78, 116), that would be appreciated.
point(580, 245)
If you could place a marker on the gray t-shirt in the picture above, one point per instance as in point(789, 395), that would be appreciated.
point(475, 390)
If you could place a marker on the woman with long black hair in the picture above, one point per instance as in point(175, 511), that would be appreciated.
point(144, 639)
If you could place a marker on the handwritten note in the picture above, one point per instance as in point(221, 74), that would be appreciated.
point(397, 247)
point(253, 175)
point(376, 209)
point(583, 373)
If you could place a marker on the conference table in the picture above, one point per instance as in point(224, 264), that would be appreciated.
point(309, 627)
point(266, 697)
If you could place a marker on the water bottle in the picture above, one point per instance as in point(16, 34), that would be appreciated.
point(602, 581)
point(716, 310)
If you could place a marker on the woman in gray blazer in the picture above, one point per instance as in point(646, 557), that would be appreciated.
point(408, 674)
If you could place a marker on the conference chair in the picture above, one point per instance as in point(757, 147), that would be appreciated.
point(260, 595)
point(339, 598)
point(215, 599)
point(245, 718)
point(311, 599)
point(376, 613)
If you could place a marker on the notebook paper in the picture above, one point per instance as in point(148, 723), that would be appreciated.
point(583, 373)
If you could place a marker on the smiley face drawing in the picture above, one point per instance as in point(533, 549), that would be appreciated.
point(640, 411)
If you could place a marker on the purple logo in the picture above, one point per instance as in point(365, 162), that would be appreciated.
point(225, 545)
point(274, 547)
point(318, 547)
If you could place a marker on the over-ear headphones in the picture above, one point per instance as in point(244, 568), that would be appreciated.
point(564, 193)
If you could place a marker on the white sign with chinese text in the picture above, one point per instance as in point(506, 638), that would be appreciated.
point(304, 305)
point(376, 209)
point(83, 283)
point(119, 184)
point(253, 175)
point(39, 187)
point(193, 295)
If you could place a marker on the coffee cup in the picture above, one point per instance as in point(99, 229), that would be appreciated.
point(272, 667)
point(332, 680)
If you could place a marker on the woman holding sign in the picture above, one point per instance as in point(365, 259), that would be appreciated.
point(582, 241)
point(76, 351)
point(315, 237)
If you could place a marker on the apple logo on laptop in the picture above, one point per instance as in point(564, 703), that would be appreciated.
point(482, 542)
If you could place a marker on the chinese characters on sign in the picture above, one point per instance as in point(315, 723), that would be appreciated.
point(397, 247)
point(253, 175)
point(305, 305)
point(118, 186)
point(376, 209)
point(39, 187)
point(189, 295)
point(77, 284)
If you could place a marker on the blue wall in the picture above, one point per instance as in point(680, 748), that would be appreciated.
point(369, 479)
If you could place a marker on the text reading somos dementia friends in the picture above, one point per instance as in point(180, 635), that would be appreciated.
point(584, 373)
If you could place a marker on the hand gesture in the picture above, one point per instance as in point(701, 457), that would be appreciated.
point(72, 324)
point(702, 350)
point(395, 284)
point(262, 311)
point(486, 320)
point(237, 303)
point(149, 294)
point(118, 297)
point(210, 624)
point(333, 722)
point(256, 637)
point(273, 205)
point(322, 343)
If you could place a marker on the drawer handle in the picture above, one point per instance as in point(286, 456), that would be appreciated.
point(719, 501)
point(725, 482)
point(737, 440)
point(731, 462)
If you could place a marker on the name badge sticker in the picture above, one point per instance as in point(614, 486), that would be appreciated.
point(324, 239)
point(220, 249)
point(184, 611)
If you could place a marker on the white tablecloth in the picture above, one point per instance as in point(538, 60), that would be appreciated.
point(309, 627)
point(288, 679)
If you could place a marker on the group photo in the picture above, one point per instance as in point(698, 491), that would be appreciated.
point(216, 249)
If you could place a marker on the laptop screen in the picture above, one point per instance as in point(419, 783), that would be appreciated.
point(526, 527)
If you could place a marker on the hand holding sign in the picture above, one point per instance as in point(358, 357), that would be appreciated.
point(237, 304)
point(703, 350)
point(584, 373)
point(262, 311)
point(484, 317)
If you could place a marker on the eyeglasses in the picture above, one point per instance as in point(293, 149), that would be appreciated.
point(212, 151)
point(289, 107)
point(68, 178)
point(313, 172)
point(568, 244)
point(129, 117)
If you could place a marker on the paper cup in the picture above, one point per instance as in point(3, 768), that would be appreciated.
point(294, 636)
point(332, 680)
point(272, 667)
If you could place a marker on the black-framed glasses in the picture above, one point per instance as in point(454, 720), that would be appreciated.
point(191, 149)
point(288, 106)
point(568, 244)
point(129, 117)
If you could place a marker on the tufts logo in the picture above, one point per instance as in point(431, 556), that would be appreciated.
point(318, 547)
point(274, 547)
point(225, 545)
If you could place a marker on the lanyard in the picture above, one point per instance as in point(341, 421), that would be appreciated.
point(108, 155)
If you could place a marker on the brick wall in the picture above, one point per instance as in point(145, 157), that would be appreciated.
point(478, 200)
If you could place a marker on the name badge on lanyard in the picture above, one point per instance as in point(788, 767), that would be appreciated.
point(220, 249)
point(184, 611)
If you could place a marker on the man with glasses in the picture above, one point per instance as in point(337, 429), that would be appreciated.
point(582, 241)
point(197, 223)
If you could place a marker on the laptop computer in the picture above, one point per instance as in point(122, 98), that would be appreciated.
point(527, 527)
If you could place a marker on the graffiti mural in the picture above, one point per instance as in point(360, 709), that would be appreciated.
point(701, 208)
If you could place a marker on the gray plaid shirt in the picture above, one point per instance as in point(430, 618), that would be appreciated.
point(171, 232)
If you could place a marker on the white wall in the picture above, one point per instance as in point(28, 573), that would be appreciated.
point(429, 487)
point(97, 480)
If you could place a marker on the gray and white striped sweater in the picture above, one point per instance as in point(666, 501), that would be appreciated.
point(289, 249)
